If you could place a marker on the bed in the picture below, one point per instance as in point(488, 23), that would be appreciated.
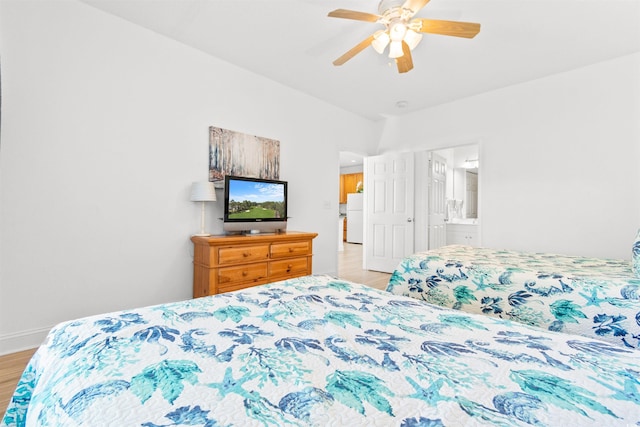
point(320, 351)
point(596, 298)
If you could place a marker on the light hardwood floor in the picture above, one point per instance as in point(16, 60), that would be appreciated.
point(349, 268)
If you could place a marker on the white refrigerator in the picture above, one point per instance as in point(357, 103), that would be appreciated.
point(355, 224)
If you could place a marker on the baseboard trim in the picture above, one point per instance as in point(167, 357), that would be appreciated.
point(23, 340)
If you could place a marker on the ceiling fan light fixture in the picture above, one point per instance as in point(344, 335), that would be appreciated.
point(380, 41)
point(412, 38)
point(395, 49)
point(402, 32)
point(397, 30)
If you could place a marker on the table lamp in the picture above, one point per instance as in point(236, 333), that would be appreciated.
point(203, 191)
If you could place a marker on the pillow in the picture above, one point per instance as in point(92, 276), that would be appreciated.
point(635, 255)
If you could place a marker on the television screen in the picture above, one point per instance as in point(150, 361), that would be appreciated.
point(249, 201)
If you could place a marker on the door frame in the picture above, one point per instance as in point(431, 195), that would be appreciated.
point(422, 192)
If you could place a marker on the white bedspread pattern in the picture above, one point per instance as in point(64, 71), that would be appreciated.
point(320, 351)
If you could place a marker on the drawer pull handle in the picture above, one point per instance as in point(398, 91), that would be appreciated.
point(244, 273)
point(246, 254)
point(291, 249)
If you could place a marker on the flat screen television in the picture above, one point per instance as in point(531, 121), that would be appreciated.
point(254, 205)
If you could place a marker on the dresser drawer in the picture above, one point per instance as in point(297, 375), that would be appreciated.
point(242, 254)
point(281, 250)
point(289, 267)
point(233, 262)
point(242, 273)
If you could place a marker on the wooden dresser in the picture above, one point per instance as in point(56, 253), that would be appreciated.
point(232, 262)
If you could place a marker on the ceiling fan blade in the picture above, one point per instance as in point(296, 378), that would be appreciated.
point(405, 62)
point(414, 5)
point(448, 28)
point(354, 14)
point(354, 51)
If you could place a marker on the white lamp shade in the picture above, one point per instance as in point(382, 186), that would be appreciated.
point(395, 49)
point(380, 41)
point(412, 39)
point(203, 191)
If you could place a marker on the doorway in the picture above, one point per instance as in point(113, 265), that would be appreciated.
point(440, 211)
point(458, 203)
point(351, 195)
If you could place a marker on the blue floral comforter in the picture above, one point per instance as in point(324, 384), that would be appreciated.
point(596, 298)
point(320, 351)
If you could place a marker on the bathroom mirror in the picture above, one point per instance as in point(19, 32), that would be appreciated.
point(465, 189)
point(462, 183)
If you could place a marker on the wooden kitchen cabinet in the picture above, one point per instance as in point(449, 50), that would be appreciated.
point(344, 230)
point(228, 263)
point(348, 184)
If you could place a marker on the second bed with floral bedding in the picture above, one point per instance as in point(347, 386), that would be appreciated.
point(596, 298)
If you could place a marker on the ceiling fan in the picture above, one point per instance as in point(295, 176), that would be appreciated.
point(401, 33)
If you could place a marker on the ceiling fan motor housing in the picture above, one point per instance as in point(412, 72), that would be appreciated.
point(392, 12)
point(386, 5)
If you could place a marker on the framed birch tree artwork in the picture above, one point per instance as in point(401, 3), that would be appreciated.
point(238, 154)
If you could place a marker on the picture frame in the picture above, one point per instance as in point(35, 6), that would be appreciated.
point(239, 154)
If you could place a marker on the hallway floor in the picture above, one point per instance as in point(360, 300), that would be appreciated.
point(350, 268)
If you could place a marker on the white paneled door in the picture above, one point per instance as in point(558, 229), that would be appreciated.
point(437, 200)
point(389, 213)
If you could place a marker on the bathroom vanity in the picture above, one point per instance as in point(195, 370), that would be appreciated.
point(462, 232)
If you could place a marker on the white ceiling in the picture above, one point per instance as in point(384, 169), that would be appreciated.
point(294, 42)
point(349, 159)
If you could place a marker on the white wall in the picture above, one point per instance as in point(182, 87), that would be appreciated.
point(104, 127)
point(559, 158)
